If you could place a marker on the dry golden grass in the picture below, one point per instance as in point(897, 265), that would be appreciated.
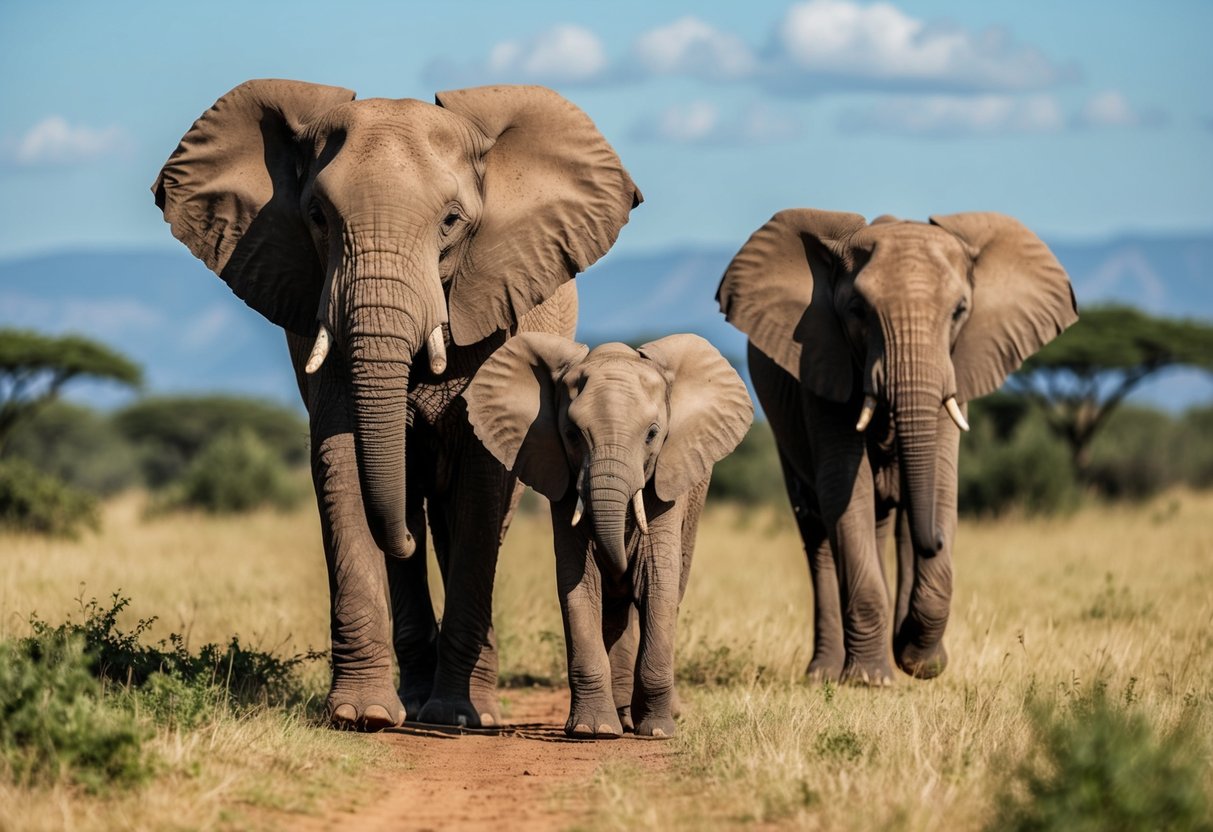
point(1121, 597)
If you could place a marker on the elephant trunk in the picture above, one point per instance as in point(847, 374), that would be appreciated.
point(916, 400)
point(384, 328)
point(610, 488)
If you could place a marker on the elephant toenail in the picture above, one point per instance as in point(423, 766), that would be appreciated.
point(462, 721)
point(607, 730)
point(657, 732)
point(581, 728)
point(345, 713)
point(487, 721)
point(376, 714)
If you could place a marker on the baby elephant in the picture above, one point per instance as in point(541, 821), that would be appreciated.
point(622, 442)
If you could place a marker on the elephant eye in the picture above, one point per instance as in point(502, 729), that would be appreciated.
point(960, 310)
point(316, 214)
point(652, 434)
point(451, 219)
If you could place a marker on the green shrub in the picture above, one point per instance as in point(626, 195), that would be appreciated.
point(237, 472)
point(31, 501)
point(1133, 456)
point(751, 474)
point(1028, 470)
point(77, 445)
point(1193, 447)
point(56, 723)
point(243, 676)
point(171, 431)
point(1099, 765)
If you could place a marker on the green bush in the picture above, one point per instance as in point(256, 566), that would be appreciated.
point(1028, 470)
point(56, 723)
point(240, 675)
point(1134, 455)
point(237, 472)
point(751, 474)
point(1193, 447)
point(1099, 765)
point(31, 501)
point(78, 445)
point(171, 431)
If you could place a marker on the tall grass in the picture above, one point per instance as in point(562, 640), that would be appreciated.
point(1047, 611)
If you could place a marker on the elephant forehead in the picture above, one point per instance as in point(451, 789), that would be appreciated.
point(625, 385)
point(907, 254)
point(374, 122)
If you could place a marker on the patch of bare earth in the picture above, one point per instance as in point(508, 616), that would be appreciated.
point(527, 775)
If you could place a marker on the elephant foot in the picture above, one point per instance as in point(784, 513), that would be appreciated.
point(625, 718)
point(364, 708)
point(822, 670)
point(922, 664)
point(459, 710)
point(589, 721)
point(874, 674)
point(414, 695)
point(654, 727)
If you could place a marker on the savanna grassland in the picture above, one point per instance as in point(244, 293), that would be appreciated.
point(1091, 633)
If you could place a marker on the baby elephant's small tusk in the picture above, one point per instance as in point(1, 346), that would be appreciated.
point(437, 347)
point(865, 415)
point(320, 350)
point(638, 507)
point(954, 411)
point(577, 511)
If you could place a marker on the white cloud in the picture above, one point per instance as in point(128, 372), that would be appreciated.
point(53, 141)
point(688, 46)
point(562, 54)
point(1110, 108)
point(823, 44)
point(702, 123)
point(949, 115)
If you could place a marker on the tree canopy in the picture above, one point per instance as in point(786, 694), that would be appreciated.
point(35, 367)
point(1086, 373)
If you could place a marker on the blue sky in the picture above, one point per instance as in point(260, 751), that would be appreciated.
point(1083, 119)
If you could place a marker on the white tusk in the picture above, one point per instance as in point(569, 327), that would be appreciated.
point(638, 507)
point(577, 511)
point(954, 411)
point(865, 415)
point(320, 350)
point(437, 348)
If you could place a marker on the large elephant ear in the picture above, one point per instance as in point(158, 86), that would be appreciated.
point(231, 193)
point(778, 291)
point(555, 197)
point(710, 411)
point(1022, 300)
point(512, 407)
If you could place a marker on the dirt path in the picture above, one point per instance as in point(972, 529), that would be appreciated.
point(525, 777)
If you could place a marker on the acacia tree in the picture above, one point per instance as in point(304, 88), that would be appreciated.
point(1081, 377)
point(34, 368)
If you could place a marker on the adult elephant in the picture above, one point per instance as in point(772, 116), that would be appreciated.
point(865, 343)
point(383, 231)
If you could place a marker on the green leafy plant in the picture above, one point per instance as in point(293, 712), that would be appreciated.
point(1100, 765)
point(31, 501)
point(237, 472)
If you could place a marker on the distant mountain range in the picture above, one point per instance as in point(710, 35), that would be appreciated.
point(164, 309)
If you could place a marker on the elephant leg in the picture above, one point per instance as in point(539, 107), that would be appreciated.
point(926, 581)
point(362, 693)
point(657, 580)
point(845, 490)
point(470, 516)
point(592, 711)
point(829, 654)
point(414, 629)
point(621, 633)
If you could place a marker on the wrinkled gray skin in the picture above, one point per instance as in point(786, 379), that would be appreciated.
point(597, 429)
point(909, 314)
point(408, 232)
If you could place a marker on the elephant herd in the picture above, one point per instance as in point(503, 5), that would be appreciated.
point(420, 259)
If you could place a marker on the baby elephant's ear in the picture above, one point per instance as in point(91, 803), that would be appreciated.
point(512, 407)
point(710, 411)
